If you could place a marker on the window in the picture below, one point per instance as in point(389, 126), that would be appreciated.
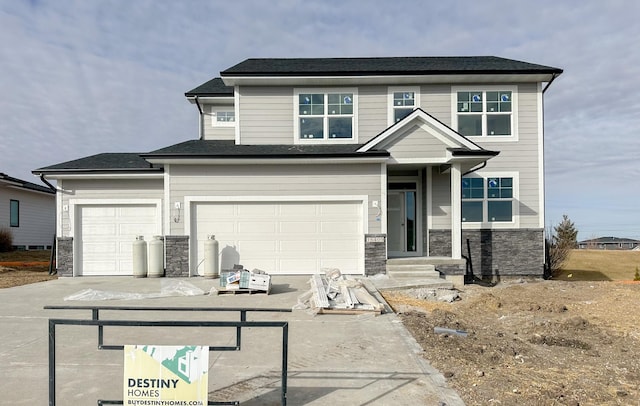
point(487, 199)
point(223, 116)
point(485, 113)
point(402, 101)
point(325, 116)
point(14, 213)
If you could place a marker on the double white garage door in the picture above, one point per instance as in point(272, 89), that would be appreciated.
point(277, 237)
point(281, 237)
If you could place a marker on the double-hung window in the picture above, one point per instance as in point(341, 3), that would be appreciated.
point(14, 213)
point(325, 115)
point(402, 101)
point(488, 200)
point(485, 113)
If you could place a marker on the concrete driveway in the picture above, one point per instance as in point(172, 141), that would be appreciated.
point(332, 359)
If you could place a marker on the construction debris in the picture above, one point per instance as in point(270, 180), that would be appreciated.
point(240, 280)
point(334, 293)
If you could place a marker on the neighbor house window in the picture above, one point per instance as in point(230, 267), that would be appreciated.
point(488, 199)
point(485, 113)
point(223, 117)
point(14, 213)
point(325, 116)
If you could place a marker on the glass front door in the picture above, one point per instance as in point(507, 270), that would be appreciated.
point(402, 218)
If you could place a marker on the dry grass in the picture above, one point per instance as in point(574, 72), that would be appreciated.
point(600, 265)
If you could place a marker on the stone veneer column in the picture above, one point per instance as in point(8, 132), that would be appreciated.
point(177, 256)
point(375, 254)
point(64, 261)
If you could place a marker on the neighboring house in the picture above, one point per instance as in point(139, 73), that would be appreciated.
point(609, 243)
point(348, 163)
point(28, 211)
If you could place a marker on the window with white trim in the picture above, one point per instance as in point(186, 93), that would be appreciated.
point(223, 116)
point(325, 115)
point(14, 213)
point(487, 200)
point(402, 101)
point(485, 113)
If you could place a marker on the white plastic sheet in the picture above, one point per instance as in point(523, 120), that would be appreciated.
point(168, 288)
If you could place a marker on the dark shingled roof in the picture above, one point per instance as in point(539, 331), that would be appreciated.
point(213, 88)
point(24, 184)
point(228, 149)
point(107, 162)
point(447, 65)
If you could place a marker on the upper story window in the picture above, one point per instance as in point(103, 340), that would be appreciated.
point(402, 101)
point(488, 200)
point(325, 115)
point(223, 116)
point(485, 112)
point(14, 213)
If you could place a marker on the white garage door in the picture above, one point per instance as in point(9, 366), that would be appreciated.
point(106, 234)
point(281, 237)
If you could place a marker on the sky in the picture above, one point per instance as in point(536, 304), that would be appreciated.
point(79, 78)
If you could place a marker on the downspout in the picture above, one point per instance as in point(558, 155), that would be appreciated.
point(199, 121)
point(553, 77)
point(475, 169)
point(46, 182)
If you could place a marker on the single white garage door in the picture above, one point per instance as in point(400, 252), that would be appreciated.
point(106, 234)
point(281, 237)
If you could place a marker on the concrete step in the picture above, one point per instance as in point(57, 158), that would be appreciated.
point(412, 271)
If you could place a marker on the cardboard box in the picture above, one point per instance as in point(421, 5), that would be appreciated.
point(260, 282)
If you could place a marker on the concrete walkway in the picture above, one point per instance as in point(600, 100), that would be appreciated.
point(333, 359)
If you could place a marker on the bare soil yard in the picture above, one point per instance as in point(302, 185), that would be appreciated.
point(556, 342)
point(24, 267)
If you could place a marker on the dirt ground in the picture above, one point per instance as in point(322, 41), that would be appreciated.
point(533, 342)
point(24, 267)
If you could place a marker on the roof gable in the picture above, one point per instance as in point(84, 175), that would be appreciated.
point(429, 124)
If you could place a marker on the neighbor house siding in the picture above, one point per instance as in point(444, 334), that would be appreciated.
point(105, 191)
point(276, 180)
point(266, 115)
point(37, 217)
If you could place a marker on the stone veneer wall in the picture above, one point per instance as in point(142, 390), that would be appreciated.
point(496, 253)
point(375, 254)
point(177, 255)
point(64, 261)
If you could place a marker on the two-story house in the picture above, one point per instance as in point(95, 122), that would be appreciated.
point(348, 163)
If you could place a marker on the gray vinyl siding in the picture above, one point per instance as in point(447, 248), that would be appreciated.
point(107, 190)
point(266, 115)
point(521, 156)
point(276, 180)
point(37, 216)
point(212, 132)
point(372, 112)
point(418, 143)
point(436, 100)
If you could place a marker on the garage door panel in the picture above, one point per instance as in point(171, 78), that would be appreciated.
point(257, 246)
point(283, 237)
point(257, 227)
point(298, 246)
point(307, 227)
point(339, 263)
point(106, 235)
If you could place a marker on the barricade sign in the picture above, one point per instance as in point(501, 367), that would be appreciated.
point(166, 375)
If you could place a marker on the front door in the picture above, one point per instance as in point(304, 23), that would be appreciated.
point(402, 224)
